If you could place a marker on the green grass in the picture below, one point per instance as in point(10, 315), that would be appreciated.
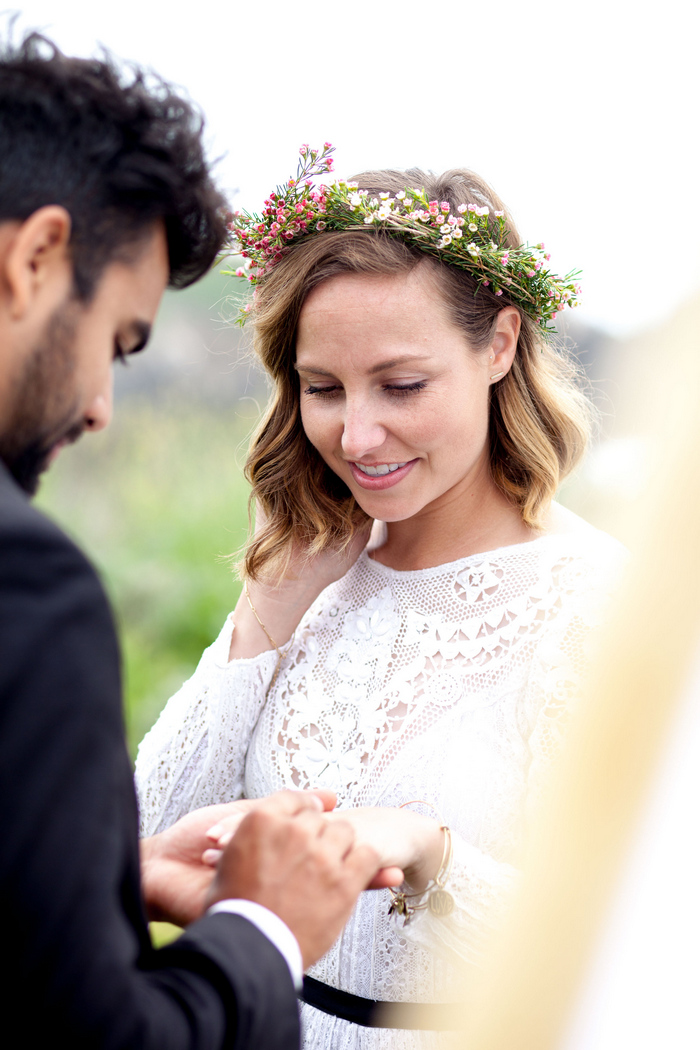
point(157, 501)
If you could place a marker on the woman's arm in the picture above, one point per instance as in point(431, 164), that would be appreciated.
point(194, 755)
point(281, 603)
point(479, 885)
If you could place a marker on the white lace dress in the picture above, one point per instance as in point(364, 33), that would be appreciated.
point(448, 684)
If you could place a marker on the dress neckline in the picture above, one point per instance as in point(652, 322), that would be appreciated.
point(479, 556)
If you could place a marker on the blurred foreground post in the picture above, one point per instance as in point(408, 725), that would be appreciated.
point(535, 971)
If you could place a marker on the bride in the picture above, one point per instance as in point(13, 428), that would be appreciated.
point(426, 676)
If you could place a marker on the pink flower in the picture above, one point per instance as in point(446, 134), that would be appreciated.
point(433, 207)
point(499, 215)
point(240, 272)
point(298, 208)
point(329, 164)
point(444, 207)
point(327, 145)
point(304, 148)
point(499, 292)
point(486, 282)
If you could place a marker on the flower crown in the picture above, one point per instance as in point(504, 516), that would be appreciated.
point(473, 239)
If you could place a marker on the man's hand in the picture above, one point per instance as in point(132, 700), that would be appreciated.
point(174, 880)
point(288, 857)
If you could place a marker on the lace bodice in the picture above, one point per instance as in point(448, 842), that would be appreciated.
point(450, 684)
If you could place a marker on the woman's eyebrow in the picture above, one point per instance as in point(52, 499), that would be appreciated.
point(381, 367)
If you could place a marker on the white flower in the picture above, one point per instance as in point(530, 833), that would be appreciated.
point(457, 232)
point(472, 227)
point(384, 196)
point(473, 249)
point(369, 219)
point(444, 241)
point(401, 195)
point(482, 211)
point(355, 200)
point(446, 228)
point(462, 208)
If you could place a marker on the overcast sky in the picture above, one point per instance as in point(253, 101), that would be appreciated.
point(583, 116)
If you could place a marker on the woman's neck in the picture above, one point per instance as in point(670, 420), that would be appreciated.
point(481, 520)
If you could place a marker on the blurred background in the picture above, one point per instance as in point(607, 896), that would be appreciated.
point(582, 119)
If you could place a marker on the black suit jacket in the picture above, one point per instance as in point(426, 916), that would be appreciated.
point(79, 968)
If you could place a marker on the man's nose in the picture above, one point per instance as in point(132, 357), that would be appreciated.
point(98, 414)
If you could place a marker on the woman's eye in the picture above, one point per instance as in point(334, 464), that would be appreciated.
point(322, 391)
point(403, 391)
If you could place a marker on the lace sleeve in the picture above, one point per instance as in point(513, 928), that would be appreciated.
point(195, 753)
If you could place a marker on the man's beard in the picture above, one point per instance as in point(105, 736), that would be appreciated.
point(44, 406)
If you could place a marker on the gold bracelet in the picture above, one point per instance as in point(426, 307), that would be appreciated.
point(439, 901)
point(281, 653)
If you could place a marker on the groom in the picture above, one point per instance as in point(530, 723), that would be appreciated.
point(104, 199)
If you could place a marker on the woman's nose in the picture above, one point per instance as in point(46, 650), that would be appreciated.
point(362, 432)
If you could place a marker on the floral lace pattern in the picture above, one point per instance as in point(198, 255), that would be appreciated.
point(449, 684)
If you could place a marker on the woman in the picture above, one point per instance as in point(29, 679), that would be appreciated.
point(413, 385)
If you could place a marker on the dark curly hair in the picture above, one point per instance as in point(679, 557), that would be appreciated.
point(117, 147)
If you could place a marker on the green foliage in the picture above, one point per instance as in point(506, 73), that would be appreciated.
point(157, 501)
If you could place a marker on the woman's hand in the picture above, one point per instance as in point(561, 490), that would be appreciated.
point(402, 839)
point(220, 834)
point(281, 603)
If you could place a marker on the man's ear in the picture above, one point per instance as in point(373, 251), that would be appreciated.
point(37, 266)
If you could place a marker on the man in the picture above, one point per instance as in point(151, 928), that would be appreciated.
point(104, 199)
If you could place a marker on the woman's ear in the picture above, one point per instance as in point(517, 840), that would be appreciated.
point(504, 343)
point(36, 268)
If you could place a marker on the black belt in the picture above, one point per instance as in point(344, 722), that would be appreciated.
point(374, 1013)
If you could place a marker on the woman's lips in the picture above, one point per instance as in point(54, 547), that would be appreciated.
point(380, 481)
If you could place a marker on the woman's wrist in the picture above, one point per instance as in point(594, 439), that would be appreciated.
point(429, 854)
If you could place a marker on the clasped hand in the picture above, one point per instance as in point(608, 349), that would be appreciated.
point(281, 852)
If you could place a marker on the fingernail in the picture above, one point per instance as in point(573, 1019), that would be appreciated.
point(211, 857)
point(214, 831)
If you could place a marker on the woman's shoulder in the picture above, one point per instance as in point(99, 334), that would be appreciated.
point(565, 529)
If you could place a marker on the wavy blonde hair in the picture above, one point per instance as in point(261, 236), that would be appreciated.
point(539, 418)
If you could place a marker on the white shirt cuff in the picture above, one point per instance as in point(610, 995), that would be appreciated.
point(274, 928)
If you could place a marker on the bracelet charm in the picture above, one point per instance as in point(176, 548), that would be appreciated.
point(438, 900)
